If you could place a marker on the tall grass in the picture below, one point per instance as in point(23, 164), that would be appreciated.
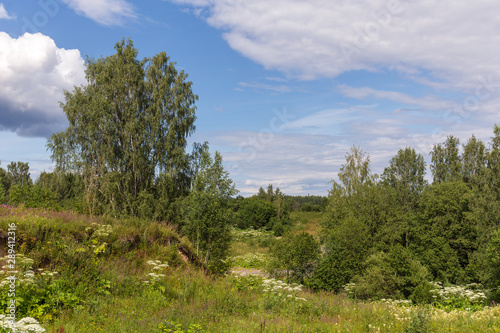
point(105, 284)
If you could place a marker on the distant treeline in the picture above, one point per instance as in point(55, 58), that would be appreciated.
point(309, 203)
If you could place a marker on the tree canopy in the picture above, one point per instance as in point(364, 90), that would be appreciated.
point(128, 129)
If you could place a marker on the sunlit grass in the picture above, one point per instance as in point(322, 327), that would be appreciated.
point(115, 297)
point(307, 221)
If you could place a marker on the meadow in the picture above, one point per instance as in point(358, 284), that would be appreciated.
point(82, 274)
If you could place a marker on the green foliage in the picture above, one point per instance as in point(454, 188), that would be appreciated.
point(19, 173)
point(473, 161)
point(406, 173)
point(446, 163)
point(343, 257)
point(332, 272)
point(32, 196)
point(5, 180)
point(279, 295)
point(468, 297)
point(67, 187)
point(38, 294)
point(173, 327)
point(309, 207)
point(246, 283)
point(306, 203)
point(2, 194)
point(127, 131)
point(372, 204)
point(394, 275)
point(354, 173)
point(493, 263)
point(446, 236)
point(255, 213)
point(207, 213)
point(296, 254)
point(112, 296)
point(446, 225)
point(250, 260)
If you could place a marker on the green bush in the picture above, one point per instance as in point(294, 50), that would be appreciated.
point(2, 194)
point(346, 249)
point(332, 272)
point(33, 196)
point(309, 207)
point(255, 213)
point(493, 264)
point(296, 255)
point(394, 275)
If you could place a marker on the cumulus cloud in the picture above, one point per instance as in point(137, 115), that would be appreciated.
point(3, 13)
point(105, 12)
point(453, 43)
point(33, 74)
point(445, 55)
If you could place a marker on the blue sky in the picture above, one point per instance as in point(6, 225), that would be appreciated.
point(285, 87)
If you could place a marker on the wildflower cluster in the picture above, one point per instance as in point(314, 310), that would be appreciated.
point(467, 297)
point(24, 264)
point(25, 325)
point(241, 235)
point(46, 274)
point(158, 268)
point(98, 232)
point(350, 289)
point(250, 260)
point(401, 314)
point(396, 301)
point(101, 230)
point(242, 281)
point(281, 289)
point(22, 261)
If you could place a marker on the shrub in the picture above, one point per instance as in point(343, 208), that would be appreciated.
point(346, 249)
point(493, 263)
point(2, 194)
point(393, 275)
point(33, 196)
point(255, 213)
point(332, 272)
point(296, 254)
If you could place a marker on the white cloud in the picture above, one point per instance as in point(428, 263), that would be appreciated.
point(296, 163)
point(305, 154)
point(428, 102)
point(105, 12)
point(325, 120)
point(33, 74)
point(3, 13)
point(452, 42)
point(270, 87)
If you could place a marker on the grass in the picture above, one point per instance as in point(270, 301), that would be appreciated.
point(105, 284)
point(307, 221)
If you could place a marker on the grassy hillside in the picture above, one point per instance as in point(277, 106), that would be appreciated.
point(83, 274)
